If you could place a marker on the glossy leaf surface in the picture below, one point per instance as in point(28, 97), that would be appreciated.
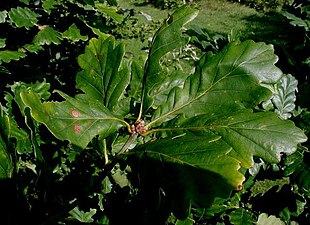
point(104, 76)
point(190, 170)
point(224, 83)
point(166, 39)
point(284, 97)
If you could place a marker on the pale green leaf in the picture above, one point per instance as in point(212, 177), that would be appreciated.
point(241, 217)
point(8, 55)
point(104, 76)
point(80, 215)
point(46, 36)
point(260, 187)
point(3, 15)
point(166, 39)
point(264, 219)
point(77, 120)
point(284, 96)
point(190, 170)
point(73, 34)
point(23, 17)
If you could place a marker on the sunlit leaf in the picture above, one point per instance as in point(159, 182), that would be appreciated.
point(166, 39)
point(33, 48)
point(261, 187)
point(80, 215)
point(224, 83)
point(46, 36)
point(77, 119)
point(73, 34)
point(8, 55)
point(264, 219)
point(258, 134)
point(23, 17)
point(110, 12)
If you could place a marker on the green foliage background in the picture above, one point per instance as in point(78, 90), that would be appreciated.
point(217, 117)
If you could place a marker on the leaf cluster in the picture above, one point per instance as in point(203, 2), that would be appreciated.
point(146, 144)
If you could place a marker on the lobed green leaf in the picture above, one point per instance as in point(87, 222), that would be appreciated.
point(77, 120)
point(73, 34)
point(46, 36)
point(227, 82)
point(166, 39)
point(104, 76)
point(8, 55)
point(190, 170)
point(23, 17)
point(284, 96)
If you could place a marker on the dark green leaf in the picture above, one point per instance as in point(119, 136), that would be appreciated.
point(47, 36)
point(23, 17)
point(77, 119)
point(104, 76)
point(166, 39)
point(6, 164)
point(296, 21)
point(224, 83)
point(241, 217)
point(190, 170)
point(49, 5)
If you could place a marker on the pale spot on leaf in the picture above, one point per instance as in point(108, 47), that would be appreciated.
point(75, 113)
